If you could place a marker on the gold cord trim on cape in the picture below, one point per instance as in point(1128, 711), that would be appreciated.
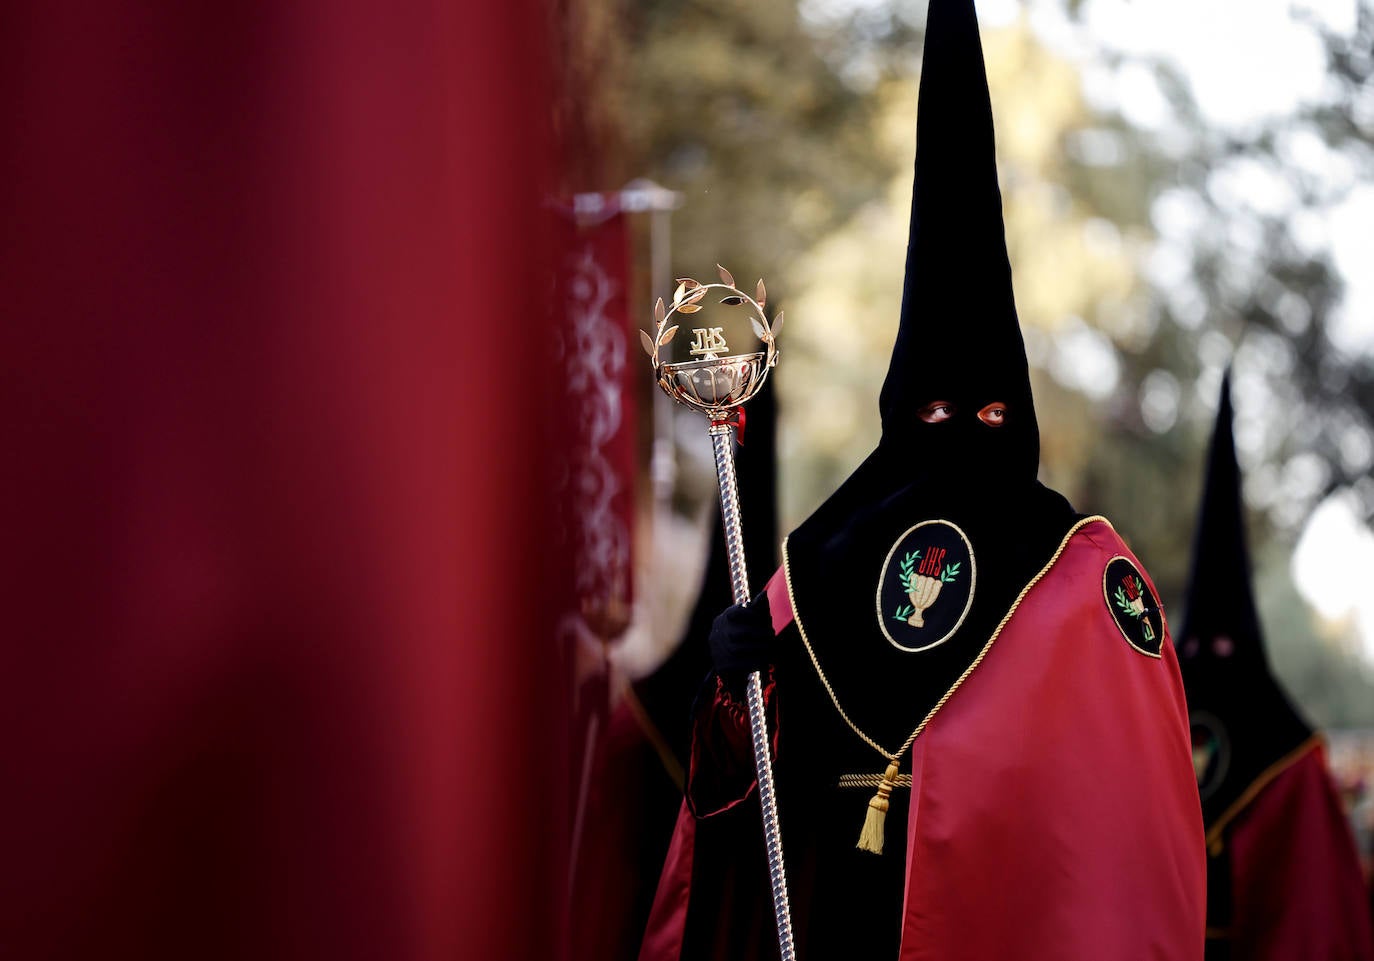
point(1215, 842)
point(872, 780)
point(885, 782)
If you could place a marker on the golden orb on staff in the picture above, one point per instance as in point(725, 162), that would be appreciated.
point(712, 351)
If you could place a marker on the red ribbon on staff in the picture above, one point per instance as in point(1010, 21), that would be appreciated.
point(736, 421)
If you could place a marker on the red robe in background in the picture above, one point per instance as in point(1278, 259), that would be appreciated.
point(1296, 887)
point(1284, 879)
point(1054, 813)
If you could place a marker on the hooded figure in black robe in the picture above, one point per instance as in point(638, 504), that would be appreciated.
point(913, 640)
point(1282, 874)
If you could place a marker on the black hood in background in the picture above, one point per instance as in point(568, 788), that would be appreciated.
point(1233, 697)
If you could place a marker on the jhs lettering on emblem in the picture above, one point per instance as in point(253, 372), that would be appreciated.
point(930, 563)
point(708, 340)
point(923, 584)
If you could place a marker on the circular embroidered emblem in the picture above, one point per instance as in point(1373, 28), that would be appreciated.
point(1211, 751)
point(926, 587)
point(1133, 605)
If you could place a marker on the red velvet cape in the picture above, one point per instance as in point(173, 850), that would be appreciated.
point(1296, 888)
point(1054, 809)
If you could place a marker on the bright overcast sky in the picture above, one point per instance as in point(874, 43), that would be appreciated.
point(1245, 61)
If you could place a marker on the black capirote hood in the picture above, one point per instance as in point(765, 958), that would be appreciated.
point(958, 343)
point(958, 338)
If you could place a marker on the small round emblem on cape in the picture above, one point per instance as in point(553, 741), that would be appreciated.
point(926, 587)
point(1211, 751)
point(1133, 605)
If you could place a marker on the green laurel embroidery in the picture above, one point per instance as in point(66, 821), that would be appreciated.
point(1124, 604)
point(908, 571)
point(908, 566)
point(1120, 598)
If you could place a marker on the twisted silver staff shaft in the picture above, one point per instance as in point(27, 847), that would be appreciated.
point(721, 442)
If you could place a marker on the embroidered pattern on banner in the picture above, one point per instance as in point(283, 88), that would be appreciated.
point(926, 586)
point(1133, 606)
point(1211, 751)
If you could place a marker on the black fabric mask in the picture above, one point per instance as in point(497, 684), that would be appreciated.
point(959, 344)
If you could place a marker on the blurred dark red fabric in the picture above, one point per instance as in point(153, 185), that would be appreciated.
point(276, 678)
point(599, 366)
point(1295, 876)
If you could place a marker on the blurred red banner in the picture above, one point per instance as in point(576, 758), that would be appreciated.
point(277, 450)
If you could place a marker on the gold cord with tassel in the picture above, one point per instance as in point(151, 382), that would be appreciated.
point(871, 837)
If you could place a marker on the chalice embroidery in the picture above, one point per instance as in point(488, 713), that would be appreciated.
point(924, 583)
point(925, 586)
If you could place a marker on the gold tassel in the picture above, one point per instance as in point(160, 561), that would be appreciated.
point(871, 837)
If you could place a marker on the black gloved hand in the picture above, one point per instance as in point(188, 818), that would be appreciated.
point(742, 639)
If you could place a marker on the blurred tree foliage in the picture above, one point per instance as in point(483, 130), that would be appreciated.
point(790, 131)
point(741, 108)
point(757, 118)
point(1259, 284)
point(1261, 276)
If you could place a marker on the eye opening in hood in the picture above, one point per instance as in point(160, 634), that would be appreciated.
point(937, 411)
point(994, 414)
